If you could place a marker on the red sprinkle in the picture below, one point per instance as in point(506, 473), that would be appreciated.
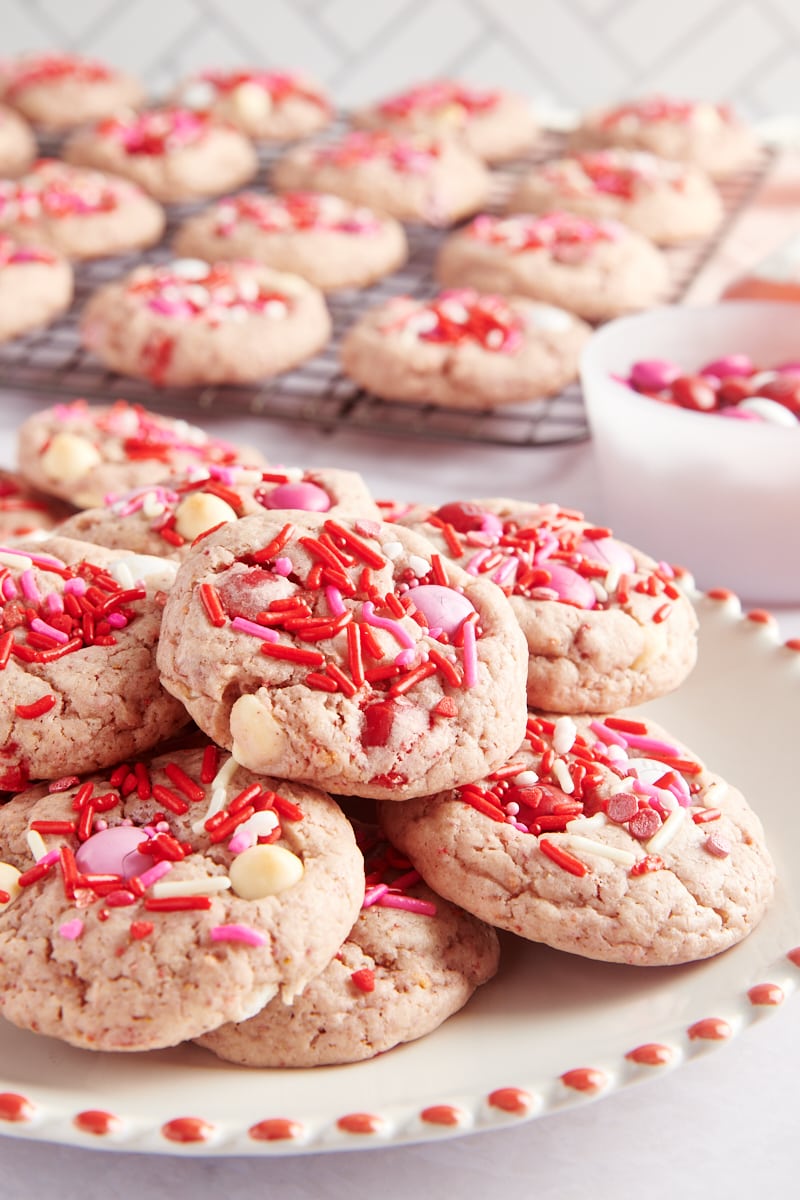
point(562, 859)
point(364, 979)
point(176, 903)
point(141, 929)
point(210, 764)
point(212, 604)
point(37, 709)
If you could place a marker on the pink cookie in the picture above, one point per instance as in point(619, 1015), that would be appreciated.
point(269, 106)
point(60, 91)
point(35, 287)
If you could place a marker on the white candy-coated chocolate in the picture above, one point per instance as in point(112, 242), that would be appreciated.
point(258, 739)
point(68, 457)
point(200, 511)
point(8, 883)
point(251, 101)
point(265, 871)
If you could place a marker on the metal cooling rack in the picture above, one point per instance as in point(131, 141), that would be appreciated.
point(53, 361)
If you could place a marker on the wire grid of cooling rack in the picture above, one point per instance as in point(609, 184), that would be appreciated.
point(53, 361)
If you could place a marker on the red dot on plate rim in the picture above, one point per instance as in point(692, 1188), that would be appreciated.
point(14, 1107)
point(712, 1029)
point(442, 1114)
point(766, 994)
point(360, 1122)
point(275, 1129)
point(511, 1100)
point(585, 1079)
point(96, 1121)
point(651, 1054)
point(187, 1129)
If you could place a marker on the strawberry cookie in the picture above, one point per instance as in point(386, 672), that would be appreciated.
point(464, 349)
point(668, 202)
point(175, 154)
point(414, 178)
point(329, 241)
point(495, 125)
point(598, 269)
point(410, 961)
point(166, 518)
point(268, 106)
point(82, 214)
point(187, 323)
point(692, 131)
point(60, 91)
point(150, 904)
point(78, 685)
point(35, 287)
point(81, 454)
point(605, 625)
point(23, 510)
point(17, 144)
point(344, 654)
point(606, 838)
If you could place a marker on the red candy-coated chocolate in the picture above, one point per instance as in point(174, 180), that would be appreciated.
point(694, 392)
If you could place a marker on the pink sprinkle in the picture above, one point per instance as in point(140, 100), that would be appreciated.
point(717, 845)
point(651, 745)
point(29, 589)
point(407, 880)
point(393, 627)
point(54, 603)
point(226, 475)
point(474, 564)
point(610, 736)
point(238, 933)
point(282, 566)
point(75, 587)
point(405, 658)
point(71, 929)
point(40, 626)
point(470, 655)
point(259, 631)
point(117, 620)
point(154, 873)
point(505, 571)
point(334, 598)
point(48, 859)
point(409, 903)
point(41, 560)
point(373, 895)
point(9, 588)
point(241, 841)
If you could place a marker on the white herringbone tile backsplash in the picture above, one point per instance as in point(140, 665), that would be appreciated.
point(572, 53)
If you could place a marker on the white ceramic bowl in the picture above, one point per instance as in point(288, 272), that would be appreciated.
point(719, 496)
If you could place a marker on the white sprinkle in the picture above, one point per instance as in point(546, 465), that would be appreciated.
point(619, 785)
point(36, 844)
point(145, 568)
point(526, 778)
point(625, 858)
point(420, 566)
point(666, 833)
point(166, 889)
point(611, 581)
point(562, 776)
point(16, 560)
point(581, 824)
point(152, 506)
point(392, 550)
point(599, 590)
point(260, 824)
point(564, 735)
point(189, 268)
point(215, 804)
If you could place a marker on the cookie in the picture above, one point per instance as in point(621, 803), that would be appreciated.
point(463, 349)
point(710, 136)
point(606, 838)
point(344, 654)
point(60, 91)
point(23, 510)
point(81, 453)
point(666, 201)
point(606, 626)
point(175, 154)
point(494, 124)
point(168, 897)
point(82, 214)
point(35, 287)
point(327, 240)
point(78, 687)
point(432, 180)
point(188, 323)
point(410, 961)
point(165, 519)
point(268, 106)
point(598, 269)
point(17, 144)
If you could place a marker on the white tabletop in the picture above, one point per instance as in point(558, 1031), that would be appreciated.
point(723, 1125)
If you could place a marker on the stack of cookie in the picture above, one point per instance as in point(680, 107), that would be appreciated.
point(456, 677)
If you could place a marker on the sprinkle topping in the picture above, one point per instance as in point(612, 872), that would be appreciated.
point(156, 131)
point(457, 316)
point(622, 173)
point(655, 109)
point(36, 69)
point(409, 156)
point(294, 212)
point(53, 190)
point(561, 234)
point(279, 85)
point(12, 255)
point(188, 289)
point(441, 99)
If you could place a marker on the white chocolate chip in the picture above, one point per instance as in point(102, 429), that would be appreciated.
point(547, 316)
point(69, 457)
point(392, 550)
point(156, 573)
point(189, 268)
point(200, 511)
point(420, 566)
point(198, 94)
point(264, 871)
point(251, 101)
point(8, 883)
point(258, 740)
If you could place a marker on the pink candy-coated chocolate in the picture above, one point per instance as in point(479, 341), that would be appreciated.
point(442, 607)
point(608, 550)
point(731, 364)
point(570, 586)
point(307, 496)
point(114, 852)
point(653, 374)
